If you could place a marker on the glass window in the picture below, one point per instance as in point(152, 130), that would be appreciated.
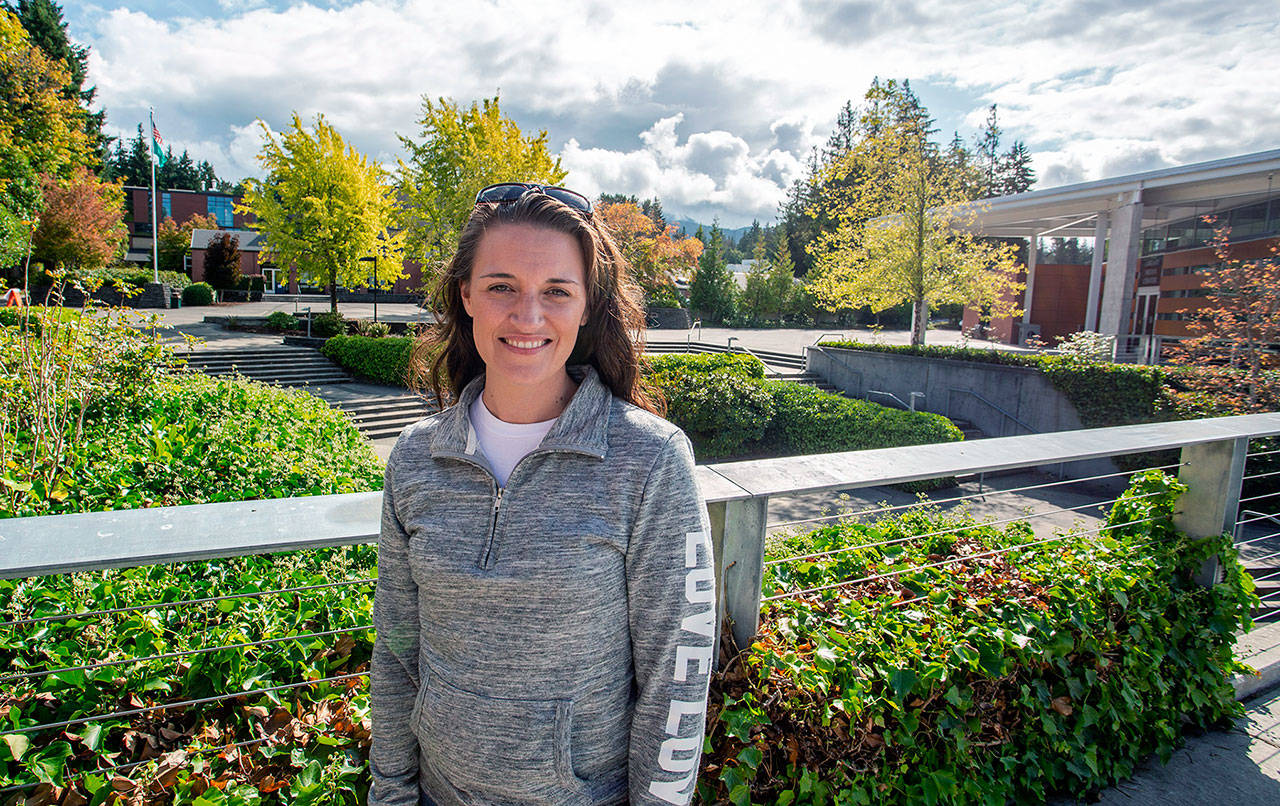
point(1249, 222)
point(220, 209)
point(1153, 240)
point(1206, 228)
point(166, 205)
point(1181, 234)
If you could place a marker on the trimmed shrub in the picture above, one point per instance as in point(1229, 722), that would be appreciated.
point(282, 320)
point(722, 413)
point(329, 324)
point(1053, 668)
point(381, 360)
point(197, 294)
point(809, 420)
point(736, 363)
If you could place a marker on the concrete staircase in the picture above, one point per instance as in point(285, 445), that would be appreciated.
point(382, 417)
point(282, 366)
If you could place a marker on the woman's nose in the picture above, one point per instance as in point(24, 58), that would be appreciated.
point(528, 309)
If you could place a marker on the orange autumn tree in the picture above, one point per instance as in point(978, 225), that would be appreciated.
point(657, 254)
point(1236, 333)
point(81, 226)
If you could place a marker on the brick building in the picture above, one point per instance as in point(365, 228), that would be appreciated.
point(1150, 236)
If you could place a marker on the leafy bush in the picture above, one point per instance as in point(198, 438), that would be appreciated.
point(134, 275)
point(329, 324)
point(320, 732)
point(375, 330)
point(723, 413)
point(664, 298)
point(728, 409)
point(382, 360)
point(735, 363)
point(974, 678)
point(197, 294)
point(282, 320)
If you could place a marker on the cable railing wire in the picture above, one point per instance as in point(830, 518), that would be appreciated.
point(1261, 475)
point(166, 605)
point(1260, 517)
point(1261, 453)
point(944, 563)
point(909, 538)
point(181, 704)
point(968, 497)
point(1253, 540)
point(1259, 497)
point(183, 654)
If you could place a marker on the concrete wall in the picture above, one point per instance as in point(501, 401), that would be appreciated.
point(1023, 392)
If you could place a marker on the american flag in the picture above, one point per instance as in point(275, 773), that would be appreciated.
point(155, 134)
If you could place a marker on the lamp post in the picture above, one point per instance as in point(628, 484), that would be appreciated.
point(374, 258)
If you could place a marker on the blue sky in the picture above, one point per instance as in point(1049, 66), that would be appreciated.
point(711, 106)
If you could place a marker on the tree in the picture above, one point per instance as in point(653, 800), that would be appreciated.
point(222, 261)
point(41, 132)
point(43, 22)
point(713, 291)
point(81, 226)
point(322, 207)
point(988, 158)
point(1234, 334)
point(922, 248)
point(1015, 172)
point(460, 151)
point(658, 256)
point(175, 240)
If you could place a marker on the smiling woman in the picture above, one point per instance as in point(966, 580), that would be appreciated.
point(545, 608)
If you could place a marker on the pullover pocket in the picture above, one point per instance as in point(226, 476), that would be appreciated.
point(498, 749)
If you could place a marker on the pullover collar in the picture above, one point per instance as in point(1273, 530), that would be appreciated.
point(583, 426)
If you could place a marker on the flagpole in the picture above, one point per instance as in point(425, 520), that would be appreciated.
point(155, 231)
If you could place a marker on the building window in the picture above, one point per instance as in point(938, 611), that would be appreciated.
point(220, 209)
point(166, 203)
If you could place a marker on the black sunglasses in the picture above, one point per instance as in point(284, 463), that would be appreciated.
point(505, 192)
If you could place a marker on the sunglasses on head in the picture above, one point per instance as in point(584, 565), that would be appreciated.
point(505, 192)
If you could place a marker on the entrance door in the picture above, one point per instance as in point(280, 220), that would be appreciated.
point(1143, 325)
point(269, 279)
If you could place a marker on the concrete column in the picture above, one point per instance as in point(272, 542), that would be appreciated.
point(1122, 268)
point(1213, 473)
point(737, 537)
point(1032, 251)
point(1095, 271)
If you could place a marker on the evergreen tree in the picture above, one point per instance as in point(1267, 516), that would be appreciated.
point(713, 290)
point(987, 147)
point(43, 22)
point(1015, 174)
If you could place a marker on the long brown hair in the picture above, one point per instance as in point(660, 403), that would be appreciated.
point(444, 359)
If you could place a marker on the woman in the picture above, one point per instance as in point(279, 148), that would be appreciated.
point(545, 608)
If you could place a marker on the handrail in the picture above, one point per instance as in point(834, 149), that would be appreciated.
point(689, 336)
point(890, 395)
point(823, 336)
point(982, 399)
point(836, 359)
point(77, 542)
point(769, 373)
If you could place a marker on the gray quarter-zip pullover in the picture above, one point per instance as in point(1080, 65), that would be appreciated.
point(549, 642)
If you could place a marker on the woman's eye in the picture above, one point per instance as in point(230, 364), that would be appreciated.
point(559, 292)
point(499, 287)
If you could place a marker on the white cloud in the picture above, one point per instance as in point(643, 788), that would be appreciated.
point(1093, 87)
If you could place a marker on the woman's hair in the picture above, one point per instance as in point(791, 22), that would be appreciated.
point(445, 359)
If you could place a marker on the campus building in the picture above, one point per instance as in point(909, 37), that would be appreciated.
point(183, 205)
point(1150, 237)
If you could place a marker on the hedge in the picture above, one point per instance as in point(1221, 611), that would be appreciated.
point(1055, 668)
point(729, 409)
point(1104, 394)
point(381, 359)
point(197, 294)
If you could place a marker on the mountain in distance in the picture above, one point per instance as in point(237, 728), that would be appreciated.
point(690, 227)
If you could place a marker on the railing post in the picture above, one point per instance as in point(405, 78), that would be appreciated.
point(737, 537)
point(1213, 473)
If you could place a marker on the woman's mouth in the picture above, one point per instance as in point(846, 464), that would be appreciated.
point(524, 343)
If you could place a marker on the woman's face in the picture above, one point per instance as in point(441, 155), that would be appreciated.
point(527, 297)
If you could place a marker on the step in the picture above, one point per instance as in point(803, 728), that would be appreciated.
point(277, 372)
point(303, 362)
point(379, 406)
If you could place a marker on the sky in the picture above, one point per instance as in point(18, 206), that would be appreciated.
point(712, 107)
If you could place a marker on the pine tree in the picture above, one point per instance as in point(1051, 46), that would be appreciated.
point(713, 289)
point(1015, 174)
point(988, 155)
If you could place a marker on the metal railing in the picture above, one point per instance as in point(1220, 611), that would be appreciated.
point(768, 371)
point(995, 407)
point(1214, 455)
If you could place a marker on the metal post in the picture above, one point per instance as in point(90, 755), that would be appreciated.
point(737, 537)
point(1213, 473)
point(308, 309)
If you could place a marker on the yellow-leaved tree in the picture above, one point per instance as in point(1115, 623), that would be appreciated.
point(322, 207)
point(460, 151)
point(907, 230)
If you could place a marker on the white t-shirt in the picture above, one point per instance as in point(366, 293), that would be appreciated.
point(504, 443)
